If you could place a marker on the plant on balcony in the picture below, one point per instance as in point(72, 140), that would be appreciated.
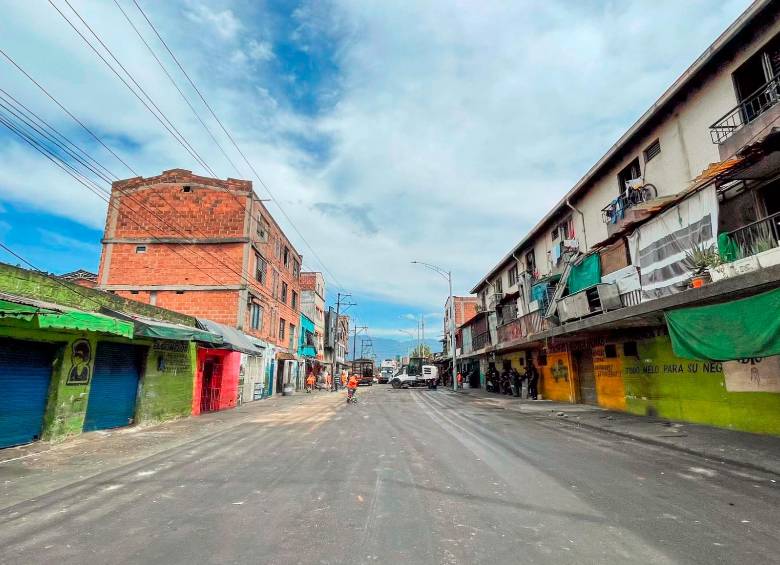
point(698, 260)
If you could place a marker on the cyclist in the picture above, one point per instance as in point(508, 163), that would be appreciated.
point(310, 382)
point(351, 387)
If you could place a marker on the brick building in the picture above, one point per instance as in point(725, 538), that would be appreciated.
point(465, 310)
point(204, 247)
point(313, 306)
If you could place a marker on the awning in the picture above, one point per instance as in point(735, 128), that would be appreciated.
point(741, 329)
point(55, 317)
point(157, 329)
point(283, 355)
point(231, 337)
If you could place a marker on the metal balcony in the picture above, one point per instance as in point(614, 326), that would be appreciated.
point(746, 111)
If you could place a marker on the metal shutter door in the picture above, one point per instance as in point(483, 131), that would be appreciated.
point(114, 387)
point(25, 372)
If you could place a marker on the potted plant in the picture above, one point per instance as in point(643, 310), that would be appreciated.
point(699, 259)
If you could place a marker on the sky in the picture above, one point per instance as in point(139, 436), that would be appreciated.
point(387, 132)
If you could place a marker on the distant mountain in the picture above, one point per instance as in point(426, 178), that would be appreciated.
point(386, 348)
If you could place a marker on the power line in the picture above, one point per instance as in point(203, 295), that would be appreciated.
point(233, 141)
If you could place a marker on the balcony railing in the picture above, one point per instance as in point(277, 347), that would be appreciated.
point(521, 327)
point(758, 236)
point(746, 111)
point(479, 341)
point(613, 212)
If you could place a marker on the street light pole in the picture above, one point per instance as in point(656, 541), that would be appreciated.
point(448, 275)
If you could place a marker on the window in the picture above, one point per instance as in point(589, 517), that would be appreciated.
point(140, 249)
point(133, 292)
point(278, 249)
point(275, 285)
point(610, 351)
point(282, 326)
point(652, 150)
point(286, 256)
point(498, 286)
point(262, 228)
point(530, 262)
point(630, 172)
point(541, 360)
point(296, 268)
point(260, 268)
point(630, 349)
point(179, 292)
point(256, 314)
point(294, 300)
point(186, 188)
point(283, 298)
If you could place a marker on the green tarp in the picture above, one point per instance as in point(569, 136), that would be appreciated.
point(85, 321)
point(65, 319)
point(162, 330)
point(740, 329)
point(586, 274)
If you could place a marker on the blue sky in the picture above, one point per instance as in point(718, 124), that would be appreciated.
point(388, 131)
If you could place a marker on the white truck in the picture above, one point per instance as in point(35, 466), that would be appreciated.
point(415, 374)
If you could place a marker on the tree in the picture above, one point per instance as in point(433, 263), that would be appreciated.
point(421, 350)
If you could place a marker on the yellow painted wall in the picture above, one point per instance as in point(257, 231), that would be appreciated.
point(557, 378)
point(517, 358)
point(610, 390)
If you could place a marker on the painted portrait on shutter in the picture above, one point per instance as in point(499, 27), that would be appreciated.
point(80, 357)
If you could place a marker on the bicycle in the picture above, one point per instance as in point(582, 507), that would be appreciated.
point(351, 396)
point(638, 191)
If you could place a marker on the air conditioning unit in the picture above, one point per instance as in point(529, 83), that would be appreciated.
point(533, 306)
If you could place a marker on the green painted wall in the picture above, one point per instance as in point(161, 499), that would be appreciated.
point(165, 390)
point(37, 286)
point(659, 383)
point(166, 387)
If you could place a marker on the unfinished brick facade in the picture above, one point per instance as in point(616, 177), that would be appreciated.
point(204, 247)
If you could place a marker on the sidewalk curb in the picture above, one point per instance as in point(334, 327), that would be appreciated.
point(680, 448)
point(659, 443)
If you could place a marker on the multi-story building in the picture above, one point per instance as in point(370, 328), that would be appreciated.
point(313, 306)
point(336, 341)
point(465, 309)
point(587, 292)
point(204, 247)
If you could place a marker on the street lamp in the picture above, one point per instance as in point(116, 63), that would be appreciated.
point(447, 275)
point(410, 334)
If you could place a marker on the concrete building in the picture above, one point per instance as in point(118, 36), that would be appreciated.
point(465, 309)
point(336, 341)
point(207, 248)
point(313, 306)
point(584, 294)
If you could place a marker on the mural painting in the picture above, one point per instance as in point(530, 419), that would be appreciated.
point(80, 358)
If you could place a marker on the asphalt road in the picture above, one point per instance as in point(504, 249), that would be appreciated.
point(408, 476)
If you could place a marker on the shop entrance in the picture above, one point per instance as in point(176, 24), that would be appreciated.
point(586, 377)
point(211, 386)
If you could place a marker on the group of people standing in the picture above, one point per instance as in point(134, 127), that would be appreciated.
point(327, 380)
point(510, 381)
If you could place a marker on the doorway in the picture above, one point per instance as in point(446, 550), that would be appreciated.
point(586, 377)
point(211, 386)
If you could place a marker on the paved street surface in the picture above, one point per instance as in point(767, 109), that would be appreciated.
point(407, 476)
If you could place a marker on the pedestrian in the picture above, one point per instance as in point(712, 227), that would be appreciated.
point(491, 379)
point(328, 380)
point(310, 382)
point(517, 384)
point(505, 381)
point(460, 380)
point(352, 385)
point(532, 374)
point(343, 377)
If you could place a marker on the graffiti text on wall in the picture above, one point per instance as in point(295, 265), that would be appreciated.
point(753, 375)
point(649, 368)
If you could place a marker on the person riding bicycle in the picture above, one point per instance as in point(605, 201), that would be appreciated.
point(351, 387)
point(310, 382)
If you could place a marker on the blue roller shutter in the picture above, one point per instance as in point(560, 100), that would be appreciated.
point(114, 387)
point(25, 373)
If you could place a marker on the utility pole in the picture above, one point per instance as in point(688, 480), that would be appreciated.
point(335, 379)
point(448, 275)
point(354, 339)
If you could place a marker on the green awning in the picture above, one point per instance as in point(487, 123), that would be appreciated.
point(18, 311)
point(64, 318)
point(85, 321)
point(740, 329)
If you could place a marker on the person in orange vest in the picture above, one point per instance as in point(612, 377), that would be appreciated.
point(351, 387)
point(343, 377)
point(310, 382)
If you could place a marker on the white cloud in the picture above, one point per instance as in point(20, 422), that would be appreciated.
point(224, 22)
point(450, 130)
point(260, 50)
